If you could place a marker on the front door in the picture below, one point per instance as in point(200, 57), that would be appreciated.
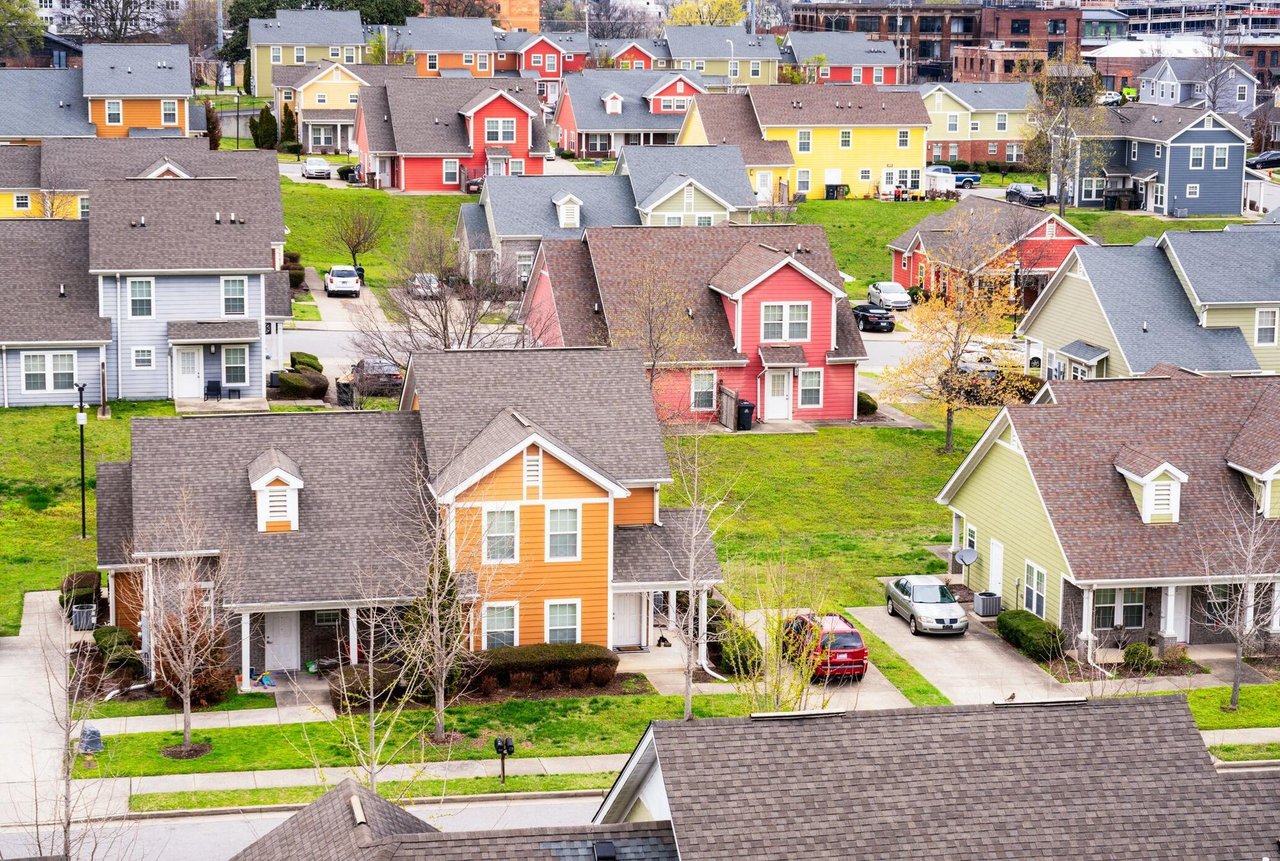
point(188, 372)
point(282, 641)
point(628, 619)
point(777, 395)
point(995, 568)
point(1182, 613)
point(764, 186)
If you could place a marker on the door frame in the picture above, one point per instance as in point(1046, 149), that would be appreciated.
point(291, 646)
point(177, 368)
point(635, 612)
point(768, 375)
point(764, 177)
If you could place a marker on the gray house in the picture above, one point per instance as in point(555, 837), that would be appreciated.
point(1163, 159)
point(601, 111)
point(1222, 84)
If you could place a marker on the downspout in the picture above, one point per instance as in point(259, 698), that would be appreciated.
point(702, 645)
point(119, 339)
point(4, 373)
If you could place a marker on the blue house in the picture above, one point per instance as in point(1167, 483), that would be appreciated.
point(1161, 159)
point(1223, 84)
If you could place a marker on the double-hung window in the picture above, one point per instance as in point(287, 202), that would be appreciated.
point(144, 358)
point(1002, 122)
point(703, 396)
point(804, 140)
point(235, 366)
point(275, 55)
point(141, 297)
point(811, 387)
point(953, 122)
point(48, 372)
point(802, 181)
point(482, 62)
point(524, 266)
point(1193, 189)
point(784, 322)
point(334, 52)
point(433, 62)
point(468, 59)
point(1220, 153)
point(877, 75)
point(755, 68)
point(563, 533)
point(500, 527)
point(536, 60)
point(733, 69)
point(233, 297)
point(450, 172)
point(169, 112)
point(500, 624)
point(1133, 150)
point(1264, 331)
point(563, 623)
point(22, 202)
point(1242, 93)
point(115, 112)
point(846, 138)
point(904, 139)
point(516, 167)
point(500, 131)
point(299, 54)
point(1123, 607)
point(1197, 158)
point(552, 65)
point(1033, 589)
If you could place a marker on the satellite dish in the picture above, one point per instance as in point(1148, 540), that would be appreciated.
point(966, 556)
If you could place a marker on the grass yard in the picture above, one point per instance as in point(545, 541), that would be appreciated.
point(305, 308)
point(859, 229)
point(581, 726)
point(995, 180)
point(227, 101)
point(1259, 707)
point(393, 789)
point(40, 494)
point(901, 674)
point(157, 706)
point(1123, 228)
point(589, 164)
point(1246, 752)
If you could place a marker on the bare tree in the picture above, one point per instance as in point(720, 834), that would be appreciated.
point(1067, 123)
point(610, 20)
point(658, 321)
point(1239, 549)
point(114, 20)
point(358, 228)
point(194, 25)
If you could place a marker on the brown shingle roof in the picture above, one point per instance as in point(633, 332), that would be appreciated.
point(837, 105)
point(728, 119)
point(379, 132)
point(40, 258)
point(975, 224)
point(1257, 446)
point(660, 554)
point(568, 262)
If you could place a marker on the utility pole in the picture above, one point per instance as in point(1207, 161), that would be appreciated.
point(82, 418)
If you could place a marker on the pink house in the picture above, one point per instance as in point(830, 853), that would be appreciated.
point(754, 309)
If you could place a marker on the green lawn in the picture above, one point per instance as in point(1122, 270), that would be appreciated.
point(556, 727)
point(229, 101)
point(858, 231)
point(1244, 752)
point(394, 789)
point(901, 674)
point(305, 308)
point(1259, 707)
point(1124, 228)
point(40, 494)
point(157, 706)
point(232, 143)
point(995, 180)
point(589, 164)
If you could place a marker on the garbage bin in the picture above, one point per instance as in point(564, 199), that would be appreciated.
point(360, 273)
point(344, 394)
point(83, 616)
point(746, 409)
point(986, 604)
point(832, 192)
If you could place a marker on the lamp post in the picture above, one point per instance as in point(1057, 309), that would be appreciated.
point(82, 418)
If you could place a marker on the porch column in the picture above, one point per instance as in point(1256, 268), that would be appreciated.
point(245, 682)
point(1168, 618)
point(353, 643)
point(1250, 599)
point(1086, 622)
point(671, 607)
point(702, 626)
point(1274, 627)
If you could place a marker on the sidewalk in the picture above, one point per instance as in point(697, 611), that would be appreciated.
point(1258, 735)
point(214, 720)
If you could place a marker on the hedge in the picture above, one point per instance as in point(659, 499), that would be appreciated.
point(1028, 633)
point(304, 383)
point(740, 651)
point(116, 647)
point(292, 258)
point(81, 580)
point(349, 687)
point(549, 665)
point(866, 404)
point(1139, 658)
point(300, 360)
point(297, 277)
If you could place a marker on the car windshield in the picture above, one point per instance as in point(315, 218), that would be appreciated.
point(932, 595)
point(340, 272)
point(844, 640)
point(317, 162)
point(893, 287)
point(1035, 189)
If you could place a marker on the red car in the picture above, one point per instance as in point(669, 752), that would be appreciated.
point(833, 644)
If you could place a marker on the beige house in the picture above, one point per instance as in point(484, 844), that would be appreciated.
point(301, 37)
point(324, 96)
point(978, 122)
point(724, 56)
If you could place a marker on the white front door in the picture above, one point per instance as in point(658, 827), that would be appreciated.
point(1182, 613)
point(188, 372)
point(764, 186)
point(282, 641)
point(628, 619)
point(777, 395)
point(995, 568)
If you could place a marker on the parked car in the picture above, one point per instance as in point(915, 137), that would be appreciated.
point(927, 605)
point(1110, 99)
point(377, 377)
point(1026, 193)
point(889, 294)
point(475, 184)
point(963, 180)
point(342, 279)
point(1264, 160)
point(316, 168)
point(829, 643)
point(424, 285)
point(873, 318)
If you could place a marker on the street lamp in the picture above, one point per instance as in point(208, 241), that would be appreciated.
point(82, 418)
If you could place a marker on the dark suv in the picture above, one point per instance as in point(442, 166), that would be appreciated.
point(1026, 193)
point(829, 643)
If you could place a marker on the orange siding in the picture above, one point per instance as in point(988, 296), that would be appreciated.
point(453, 60)
point(503, 484)
point(127, 594)
point(636, 509)
point(136, 114)
point(561, 481)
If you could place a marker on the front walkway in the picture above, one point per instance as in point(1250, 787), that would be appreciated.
point(195, 406)
point(321, 711)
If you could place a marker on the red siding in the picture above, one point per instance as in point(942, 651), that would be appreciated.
point(1040, 253)
point(578, 63)
point(865, 75)
point(427, 173)
point(542, 317)
point(633, 54)
point(566, 122)
point(542, 49)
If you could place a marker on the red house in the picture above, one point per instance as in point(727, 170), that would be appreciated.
point(639, 54)
point(979, 233)
point(755, 309)
point(601, 111)
point(843, 57)
point(543, 57)
point(433, 134)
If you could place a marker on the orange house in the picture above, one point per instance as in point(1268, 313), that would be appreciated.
point(444, 45)
point(138, 88)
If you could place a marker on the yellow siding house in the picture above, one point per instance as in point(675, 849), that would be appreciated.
point(302, 37)
point(979, 122)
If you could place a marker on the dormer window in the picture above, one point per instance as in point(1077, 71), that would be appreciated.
point(276, 480)
point(568, 210)
point(613, 104)
point(1156, 485)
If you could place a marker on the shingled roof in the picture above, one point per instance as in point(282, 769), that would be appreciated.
point(588, 89)
point(710, 42)
point(523, 205)
point(445, 34)
point(137, 70)
point(1148, 121)
point(577, 301)
point(42, 103)
point(426, 113)
point(836, 105)
point(974, 224)
point(657, 172)
point(841, 49)
point(307, 27)
point(728, 118)
point(659, 555)
point(73, 163)
point(1105, 780)
point(1227, 265)
point(42, 259)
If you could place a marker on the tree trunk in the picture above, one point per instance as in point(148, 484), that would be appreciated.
point(1238, 675)
point(186, 716)
point(691, 653)
point(437, 734)
point(949, 445)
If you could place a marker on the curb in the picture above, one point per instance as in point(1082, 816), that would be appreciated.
point(1246, 764)
point(289, 808)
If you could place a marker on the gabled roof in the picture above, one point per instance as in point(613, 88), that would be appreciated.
point(656, 555)
point(113, 486)
point(709, 42)
point(473, 222)
point(847, 48)
point(270, 460)
point(587, 90)
point(1163, 795)
point(484, 97)
point(655, 173)
point(72, 164)
point(611, 424)
point(37, 103)
point(948, 237)
point(728, 118)
point(1083, 351)
point(1227, 265)
point(1012, 97)
point(307, 27)
point(836, 105)
point(577, 301)
point(1257, 447)
point(375, 107)
point(1138, 463)
point(137, 70)
point(439, 35)
point(42, 257)
point(524, 205)
point(1146, 121)
point(425, 114)
point(296, 77)
point(1196, 69)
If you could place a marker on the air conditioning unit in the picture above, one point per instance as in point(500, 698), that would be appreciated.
point(1181, 213)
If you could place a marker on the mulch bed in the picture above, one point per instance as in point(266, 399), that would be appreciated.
point(623, 685)
point(962, 593)
point(1069, 670)
point(1268, 665)
point(194, 752)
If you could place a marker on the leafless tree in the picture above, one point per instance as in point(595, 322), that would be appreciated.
point(609, 20)
point(658, 321)
point(194, 25)
point(461, 9)
point(1067, 122)
point(781, 208)
point(359, 229)
point(1239, 548)
point(114, 20)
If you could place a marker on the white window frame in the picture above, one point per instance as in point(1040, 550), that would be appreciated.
point(846, 138)
point(244, 298)
point(698, 65)
point(524, 266)
point(1242, 92)
point(1258, 327)
point(1193, 190)
point(800, 388)
point(468, 59)
point(1159, 153)
point(150, 360)
point(552, 65)
point(1002, 122)
point(226, 348)
point(118, 111)
point(150, 297)
point(559, 506)
point(803, 180)
point(1196, 154)
point(1117, 605)
point(482, 62)
point(864, 174)
point(1223, 151)
point(673, 221)
point(496, 508)
point(287, 94)
point(755, 68)
point(953, 122)
point(323, 135)
point(47, 357)
point(824, 72)
point(433, 62)
point(322, 98)
point(971, 537)
point(277, 55)
point(1035, 585)
point(84, 206)
point(322, 618)
point(694, 376)
point(904, 138)
point(22, 202)
point(804, 140)
point(975, 125)
point(447, 167)
point(1133, 150)
point(484, 622)
point(165, 111)
point(787, 321)
point(704, 220)
point(495, 130)
point(334, 52)
point(1157, 195)
point(299, 54)
point(877, 75)
point(535, 60)
point(546, 617)
point(515, 167)
point(353, 98)
point(733, 69)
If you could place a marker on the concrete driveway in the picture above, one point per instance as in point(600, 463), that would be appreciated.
point(978, 667)
point(293, 170)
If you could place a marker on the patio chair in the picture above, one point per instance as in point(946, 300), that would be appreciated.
point(213, 389)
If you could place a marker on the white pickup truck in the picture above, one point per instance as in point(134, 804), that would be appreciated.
point(942, 178)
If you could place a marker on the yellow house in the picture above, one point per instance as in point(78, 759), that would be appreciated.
point(724, 56)
point(323, 97)
point(978, 122)
point(299, 38)
point(728, 118)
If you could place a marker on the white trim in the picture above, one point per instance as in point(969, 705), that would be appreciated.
point(106, 111)
point(491, 508)
point(1275, 327)
point(177, 117)
point(607, 484)
point(839, 293)
point(800, 404)
point(484, 622)
point(693, 402)
point(786, 323)
point(151, 297)
point(444, 172)
point(546, 617)
point(134, 359)
point(243, 279)
point(223, 360)
point(549, 506)
point(48, 356)
point(498, 94)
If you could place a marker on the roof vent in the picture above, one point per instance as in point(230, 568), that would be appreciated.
point(357, 810)
point(232, 219)
point(62, 291)
point(689, 310)
point(1144, 326)
point(142, 221)
point(596, 307)
point(128, 70)
point(217, 217)
point(604, 850)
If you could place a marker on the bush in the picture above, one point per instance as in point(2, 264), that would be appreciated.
point(1138, 657)
point(209, 687)
point(548, 663)
point(67, 600)
point(344, 172)
point(297, 277)
point(1174, 655)
point(305, 383)
point(1028, 633)
point(740, 651)
point(111, 635)
point(867, 405)
point(959, 166)
point(82, 580)
point(292, 258)
point(350, 687)
point(290, 148)
point(301, 360)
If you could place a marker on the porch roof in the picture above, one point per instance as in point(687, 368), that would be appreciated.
point(340, 116)
point(655, 554)
point(213, 332)
point(1146, 175)
point(782, 356)
point(1083, 351)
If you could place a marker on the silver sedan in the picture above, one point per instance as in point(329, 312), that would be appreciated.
point(927, 605)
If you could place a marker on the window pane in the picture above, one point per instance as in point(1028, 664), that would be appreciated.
point(562, 623)
point(500, 537)
point(798, 327)
point(64, 371)
point(810, 388)
point(564, 533)
point(773, 325)
point(1104, 616)
point(140, 298)
point(234, 364)
point(233, 296)
point(33, 372)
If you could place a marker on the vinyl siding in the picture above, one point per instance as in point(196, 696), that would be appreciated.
point(262, 62)
point(1245, 320)
point(720, 68)
point(86, 372)
point(941, 105)
point(1275, 498)
point(1221, 190)
point(453, 60)
point(1071, 313)
point(635, 509)
point(136, 114)
point(702, 204)
point(336, 85)
point(872, 148)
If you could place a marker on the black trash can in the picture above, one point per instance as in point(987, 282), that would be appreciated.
point(832, 192)
point(345, 398)
point(746, 410)
point(360, 273)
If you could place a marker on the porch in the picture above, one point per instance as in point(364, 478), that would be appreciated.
point(215, 361)
point(642, 634)
point(288, 642)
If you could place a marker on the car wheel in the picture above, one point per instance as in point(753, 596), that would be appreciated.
point(857, 677)
point(327, 292)
point(911, 624)
point(890, 329)
point(888, 606)
point(968, 183)
point(862, 326)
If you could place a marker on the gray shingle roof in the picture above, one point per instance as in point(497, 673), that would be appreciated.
point(656, 172)
point(1229, 265)
point(279, 299)
point(837, 104)
point(43, 103)
point(416, 104)
point(706, 42)
point(587, 90)
point(41, 256)
point(74, 163)
point(272, 458)
point(307, 27)
point(660, 554)
point(843, 49)
point(1138, 286)
point(137, 70)
point(522, 206)
point(1154, 122)
point(1084, 351)
point(472, 220)
point(632, 841)
point(342, 548)
point(948, 236)
point(380, 134)
point(577, 301)
point(114, 492)
point(20, 167)
point(728, 118)
point(612, 421)
point(371, 73)
point(445, 34)
point(1191, 69)
point(212, 332)
point(180, 232)
point(1019, 96)
point(1120, 780)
